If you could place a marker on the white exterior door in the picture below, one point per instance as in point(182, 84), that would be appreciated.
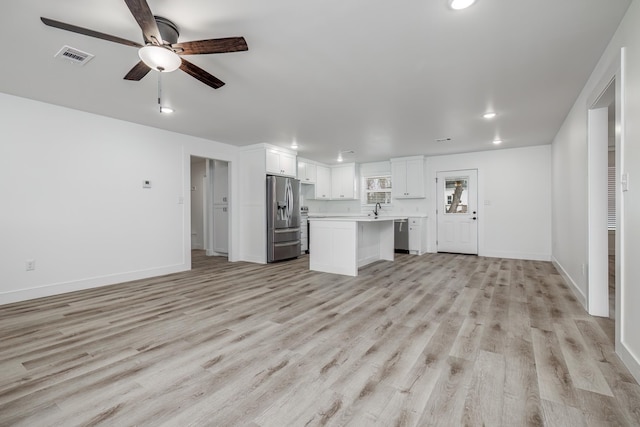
point(457, 198)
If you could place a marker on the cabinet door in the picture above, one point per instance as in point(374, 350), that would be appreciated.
point(343, 182)
point(288, 164)
point(302, 171)
point(310, 177)
point(414, 178)
point(221, 229)
point(399, 179)
point(408, 179)
point(323, 182)
point(417, 241)
point(281, 163)
point(273, 162)
point(306, 173)
point(336, 183)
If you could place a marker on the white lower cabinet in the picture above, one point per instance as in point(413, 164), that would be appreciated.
point(417, 235)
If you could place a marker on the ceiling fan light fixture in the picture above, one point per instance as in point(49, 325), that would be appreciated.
point(460, 4)
point(159, 58)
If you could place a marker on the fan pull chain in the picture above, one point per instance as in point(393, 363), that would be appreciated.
point(162, 109)
point(160, 91)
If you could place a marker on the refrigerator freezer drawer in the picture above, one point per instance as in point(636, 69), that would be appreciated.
point(284, 250)
point(286, 234)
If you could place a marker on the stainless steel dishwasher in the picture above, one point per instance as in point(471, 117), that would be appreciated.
point(401, 236)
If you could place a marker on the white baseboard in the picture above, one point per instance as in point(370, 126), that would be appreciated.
point(93, 282)
point(515, 255)
point(582, 298)
point(629, 359)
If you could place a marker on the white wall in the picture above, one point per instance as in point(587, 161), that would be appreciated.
point(72, 199)
point(252, 197)
point(516, 182)
point(570, 171)
point(514, 203)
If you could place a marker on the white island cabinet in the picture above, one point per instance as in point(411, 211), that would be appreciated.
point(341, 245)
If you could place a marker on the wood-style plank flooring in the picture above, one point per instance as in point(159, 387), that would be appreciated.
point(439, 339)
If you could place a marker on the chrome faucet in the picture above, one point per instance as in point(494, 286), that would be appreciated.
point(375, 210)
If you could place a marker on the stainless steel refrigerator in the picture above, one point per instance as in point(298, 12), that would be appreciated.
point(283, 218)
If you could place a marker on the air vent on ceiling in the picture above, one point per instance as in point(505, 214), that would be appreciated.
point(74, 55)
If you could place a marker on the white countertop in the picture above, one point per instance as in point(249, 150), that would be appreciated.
point(356, 218)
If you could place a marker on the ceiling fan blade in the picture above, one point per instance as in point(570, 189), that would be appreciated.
point(200, 74)
point(199, 47)
point(87, 32)
point(142, 13)
point(137, 72)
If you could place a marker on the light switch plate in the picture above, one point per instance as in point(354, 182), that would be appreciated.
point(624, 181)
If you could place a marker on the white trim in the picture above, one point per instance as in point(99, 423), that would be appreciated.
point(90, 283)
point(630, 360)
point(582, 298)
point(515, 255)
point(598, 238)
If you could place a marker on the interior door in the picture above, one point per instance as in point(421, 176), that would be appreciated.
point(457, 212)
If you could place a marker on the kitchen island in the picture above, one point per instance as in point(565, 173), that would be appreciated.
point(342, 245)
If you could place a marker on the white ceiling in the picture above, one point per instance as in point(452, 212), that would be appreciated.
point(382, 78)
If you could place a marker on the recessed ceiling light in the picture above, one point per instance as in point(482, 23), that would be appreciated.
point(497, 141)
point(166, 110)
point(489, 115)
point(294, 145)
point(460, 4)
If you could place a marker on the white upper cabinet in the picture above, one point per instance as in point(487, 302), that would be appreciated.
point(307, 172)
point(281, 163)
point(323, 183)
point(407, 177)
point(344, 182)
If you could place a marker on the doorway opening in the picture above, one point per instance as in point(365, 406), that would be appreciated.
point(209, 209)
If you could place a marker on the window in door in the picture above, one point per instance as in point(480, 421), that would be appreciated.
point(456, 195)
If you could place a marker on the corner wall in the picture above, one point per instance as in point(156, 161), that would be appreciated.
point(73, 199)
point(570, 172)
point(514, 203)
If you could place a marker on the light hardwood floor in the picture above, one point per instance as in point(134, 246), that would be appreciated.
point(438, 339)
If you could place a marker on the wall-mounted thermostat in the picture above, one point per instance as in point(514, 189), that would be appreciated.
point(146, 184)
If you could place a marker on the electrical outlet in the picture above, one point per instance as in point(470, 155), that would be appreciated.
point(30, 264)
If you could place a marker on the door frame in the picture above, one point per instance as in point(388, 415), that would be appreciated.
point(439, 204)
point(613, 75)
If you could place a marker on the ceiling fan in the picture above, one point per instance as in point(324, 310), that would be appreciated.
point(161, 49)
